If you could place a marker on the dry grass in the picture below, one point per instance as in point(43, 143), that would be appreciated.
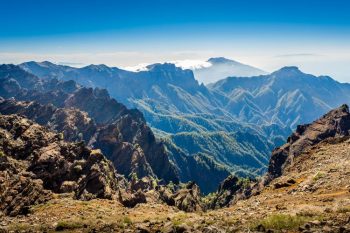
point(282, 222)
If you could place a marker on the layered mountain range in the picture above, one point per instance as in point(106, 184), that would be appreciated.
point(232, 124)
point(90, 115)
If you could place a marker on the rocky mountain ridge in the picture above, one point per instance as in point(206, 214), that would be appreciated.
point(311, 194)
point(333, 127)
point(120, 133)
point(334, 124)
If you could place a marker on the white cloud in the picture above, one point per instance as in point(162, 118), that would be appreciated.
point(137, 68)
point(184, 64)
point(191, 64)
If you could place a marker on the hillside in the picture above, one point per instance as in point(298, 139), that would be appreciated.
point(92, 116)
point(286, 97)
point(311, 194)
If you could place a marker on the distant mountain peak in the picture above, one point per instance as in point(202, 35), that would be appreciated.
point(166, 66)
point(288, 71)
point(221, 67)
point(221, 60)
point(42, 63)
point(290, 68)
point(46, 63)
point(97, 67)
point(162, 66)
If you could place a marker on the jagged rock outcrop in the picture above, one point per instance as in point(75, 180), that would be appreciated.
point(131, 199)
point(231, 189)
point(144, 184)
point(36, 162)
point(19, 188)
point(335, 123)
point(74, 124)
point(90, 115)
point(187, 198)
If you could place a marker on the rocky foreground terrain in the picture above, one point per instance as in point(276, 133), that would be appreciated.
point(50, 185)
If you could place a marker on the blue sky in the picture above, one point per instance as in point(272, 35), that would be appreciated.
point(267, 33)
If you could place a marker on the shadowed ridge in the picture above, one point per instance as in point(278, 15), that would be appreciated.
point(335, 123)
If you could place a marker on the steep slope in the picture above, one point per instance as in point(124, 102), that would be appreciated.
point(331, 128)
point(120, 133)
point(334, 124)
point(287, 97)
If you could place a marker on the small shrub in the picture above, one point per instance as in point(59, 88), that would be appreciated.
point(208, 199)
point(134, 177)
point(95, 152)
point(61, 136)
point(179, 219)
point(282, 222)
point(19, 227)
point(171, 186)
point(127, 220)
point(177, 222)
point(154, 182)
point(308, 213)
point(318, 176)
point(64, 225)
point(245, 182)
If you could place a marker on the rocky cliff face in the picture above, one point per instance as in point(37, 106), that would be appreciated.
point(90, 115)
point(333, 126)
point(36, 163)
point(335, 123)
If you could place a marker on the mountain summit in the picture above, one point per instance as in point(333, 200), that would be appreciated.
point(221, 67)
point(288, 71)
point(221, 60)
